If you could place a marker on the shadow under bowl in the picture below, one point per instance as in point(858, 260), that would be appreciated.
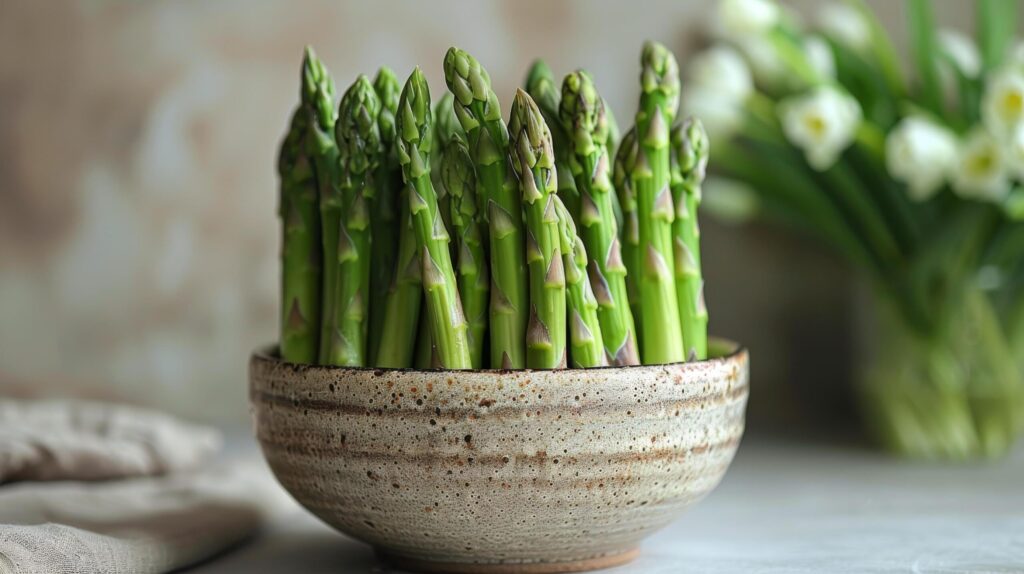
point(501, 471)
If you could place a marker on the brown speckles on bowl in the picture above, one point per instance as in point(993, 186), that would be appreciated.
point(500, 471)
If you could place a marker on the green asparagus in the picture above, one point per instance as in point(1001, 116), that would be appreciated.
point(690, 144)
point(583, 116)
point(448, 328)
point(479, 112)
point(301, 261)
point(540, 84)
point(318, 91)
point(359, 145)
point(659, 99)
point(404, 296)
point(385, 208)
point(630, 229)
point(470, 229)
point(585, 342)
point(533, 160)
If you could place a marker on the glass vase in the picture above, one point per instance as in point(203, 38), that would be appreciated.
point(955, 392)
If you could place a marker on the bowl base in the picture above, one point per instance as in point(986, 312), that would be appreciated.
point(431, 567)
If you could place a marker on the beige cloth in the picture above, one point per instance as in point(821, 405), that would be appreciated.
point(56, 440)
point(137, 525)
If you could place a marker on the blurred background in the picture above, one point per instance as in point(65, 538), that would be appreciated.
point(138, 233)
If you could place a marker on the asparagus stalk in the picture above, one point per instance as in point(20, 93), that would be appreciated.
point(359, 145)
point(585, 342)
point(404, 296)
point(533, 160)
point(318, 91)
point(659, 99)
point(473, 277)
point(584, 118)
point(446, 126)
point(479, 112)
point(448, 328)
point(446, 123)
point(614, 135)
point(301, 261)
point(690, 144)
point(540, 84)
point(384, 208)
point(630, 231)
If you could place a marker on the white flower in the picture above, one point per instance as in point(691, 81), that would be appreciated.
point(743, 18)
point(1015, 152)
point(768, 69)
point(981, 172)
point(723, 71)
point(1002, 107)
point(1016, 56)
point(819, 54)
point(961, 49)
point(822, 122)
point(846, 25)
point(920, 153)
point(721, 116)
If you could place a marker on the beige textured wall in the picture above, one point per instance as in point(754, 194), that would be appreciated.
point(137, 188)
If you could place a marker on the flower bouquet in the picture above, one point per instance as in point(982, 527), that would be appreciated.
point(915, 176)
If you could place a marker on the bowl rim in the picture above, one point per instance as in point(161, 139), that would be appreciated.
point(728, 352)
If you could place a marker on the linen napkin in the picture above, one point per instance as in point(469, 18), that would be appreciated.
point(167, 508)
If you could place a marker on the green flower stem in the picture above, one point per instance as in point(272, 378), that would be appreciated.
point(448, 328)
point(479, 112)
point(533, 160)
point(584, 120)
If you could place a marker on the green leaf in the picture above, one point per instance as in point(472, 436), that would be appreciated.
point(883, 49)
point(922, 38)
point(996, 20)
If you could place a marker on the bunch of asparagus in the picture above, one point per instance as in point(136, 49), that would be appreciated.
point(440, 236)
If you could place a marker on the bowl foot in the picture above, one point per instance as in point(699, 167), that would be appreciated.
point(429, 566)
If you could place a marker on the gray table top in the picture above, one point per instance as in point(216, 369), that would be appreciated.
point(784, 506)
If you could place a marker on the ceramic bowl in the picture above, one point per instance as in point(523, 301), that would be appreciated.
point(500, 471)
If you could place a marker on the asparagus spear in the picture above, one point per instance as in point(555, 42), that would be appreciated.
point(318, 91)
point(446, 124)
point(584, 118)
point(474, 279)
point(477, 108)
point(448, 329)
point(613, 130)
point(659, 99)
point(540, 84)
point(301, 261)
point(385, 208)
point(533, 160)
point(404, 296)
point(690, 144)
point(359, 151)
point(585, 340)
point(630, 233)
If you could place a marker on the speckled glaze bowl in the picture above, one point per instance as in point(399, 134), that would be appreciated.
point(501, 471)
